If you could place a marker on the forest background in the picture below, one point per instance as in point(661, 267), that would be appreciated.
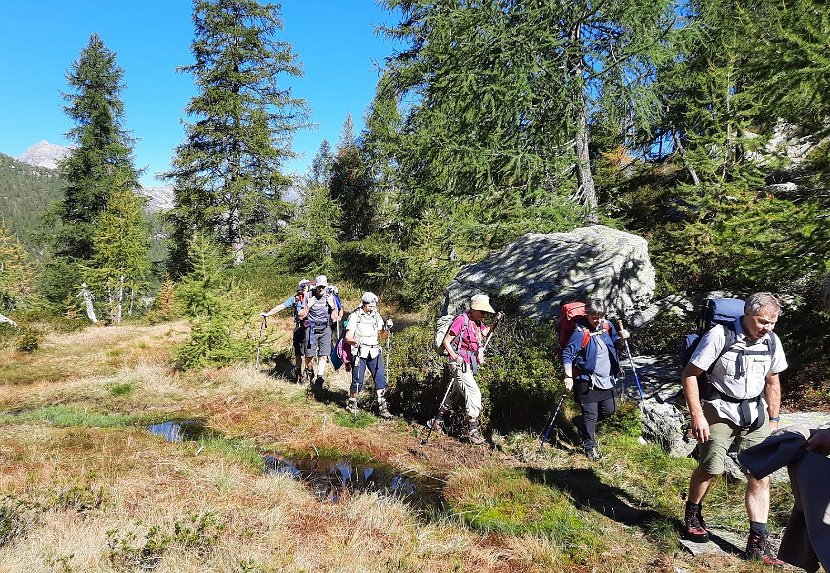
point(700, 125)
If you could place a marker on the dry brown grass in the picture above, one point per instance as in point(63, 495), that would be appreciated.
point(268, 523)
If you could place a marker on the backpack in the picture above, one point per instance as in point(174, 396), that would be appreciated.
point(571, 315)
point(723, 311)
point(442, 326)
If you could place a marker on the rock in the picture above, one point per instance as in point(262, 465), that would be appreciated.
point(540, 272)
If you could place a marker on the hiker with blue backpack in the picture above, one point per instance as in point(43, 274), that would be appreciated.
point(363, 332)
point(591, 366)
point(319, 312)
point(733, 393)
point(464, 343)
point(298, 336)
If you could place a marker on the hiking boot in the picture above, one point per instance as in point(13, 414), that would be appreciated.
point(592, 453)
point(759, 548)
point(474, 435)
point(383, 411)
point(694, 528)
point(319, 382)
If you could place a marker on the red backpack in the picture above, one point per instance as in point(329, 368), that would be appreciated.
point(568, 316)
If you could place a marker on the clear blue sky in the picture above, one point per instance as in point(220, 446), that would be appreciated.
point(334, 39)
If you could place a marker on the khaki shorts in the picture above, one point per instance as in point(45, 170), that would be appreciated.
point(723, 434)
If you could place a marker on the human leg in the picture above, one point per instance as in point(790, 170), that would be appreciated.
point(472, 401)
point(375, 366)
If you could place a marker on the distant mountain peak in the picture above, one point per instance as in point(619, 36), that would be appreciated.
point(44, 154)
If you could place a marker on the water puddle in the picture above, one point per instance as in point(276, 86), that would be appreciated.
point(336, 480)
point(179, 430)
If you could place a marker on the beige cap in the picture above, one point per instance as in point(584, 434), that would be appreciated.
point(481, 302)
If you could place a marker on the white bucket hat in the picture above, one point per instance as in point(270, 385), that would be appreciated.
point(481, 302)
point(321, 281)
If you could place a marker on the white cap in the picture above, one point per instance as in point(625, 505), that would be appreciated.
point(369, 298)
point(301, 285)
point(481, 302)
point(321, 281)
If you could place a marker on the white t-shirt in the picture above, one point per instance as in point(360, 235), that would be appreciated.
point(366, 326)
point(758, 358)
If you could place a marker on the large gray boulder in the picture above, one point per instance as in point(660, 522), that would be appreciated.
point(541, 272)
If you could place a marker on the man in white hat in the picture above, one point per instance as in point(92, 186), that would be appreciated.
point(318, 312)
point(462, 343)
point(362, 332)
point(298, 338)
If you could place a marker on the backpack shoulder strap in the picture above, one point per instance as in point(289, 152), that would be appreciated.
point(730, 337)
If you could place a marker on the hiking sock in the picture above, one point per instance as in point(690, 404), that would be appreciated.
point(759, 527)
point(321, 366)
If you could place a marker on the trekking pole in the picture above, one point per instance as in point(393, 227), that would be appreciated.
point(499, 316)
point(631, 361)
point(388, 347)
point(440, 407)
point(263, 324)
point(549, 427)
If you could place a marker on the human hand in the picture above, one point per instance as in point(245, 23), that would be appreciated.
point(700, 428)
point(624, 334)
point(569, 383)
point(820, 442)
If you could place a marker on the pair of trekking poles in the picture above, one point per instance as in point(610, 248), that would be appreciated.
point(498, 318)
point(386, 362)
point(544, 437)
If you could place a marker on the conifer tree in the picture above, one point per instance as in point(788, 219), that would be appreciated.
point(351, 186)
point(102, 154)
point(121, 260)
point(319, 172)
point(16, 272)
point(226, 176)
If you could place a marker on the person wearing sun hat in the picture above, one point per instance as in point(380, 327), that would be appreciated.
point(462, 342)
point(318, 313)
point(363, 334)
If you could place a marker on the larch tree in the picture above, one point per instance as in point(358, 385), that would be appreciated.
point(226, 176)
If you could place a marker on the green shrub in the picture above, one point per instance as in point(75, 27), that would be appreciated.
point(28, 339)
point(519, 380)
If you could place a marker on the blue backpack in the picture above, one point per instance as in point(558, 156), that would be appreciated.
point(723, 311)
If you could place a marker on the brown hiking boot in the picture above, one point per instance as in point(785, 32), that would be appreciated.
point(694, 528)
point(759, 548)
point(474, 435)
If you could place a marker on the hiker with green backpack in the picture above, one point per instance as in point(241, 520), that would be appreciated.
point(463, 343)
point(591, 366)
point(733, 393)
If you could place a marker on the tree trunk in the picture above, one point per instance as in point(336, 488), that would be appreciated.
point(586, 192)
point(88, 298)
point(682, 151)
point(120, 300)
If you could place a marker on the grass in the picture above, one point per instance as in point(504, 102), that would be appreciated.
point(85, 487)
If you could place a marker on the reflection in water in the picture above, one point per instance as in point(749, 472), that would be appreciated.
point(336, 480)
point(178, 430)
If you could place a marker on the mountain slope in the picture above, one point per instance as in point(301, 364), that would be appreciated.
point(25, 192)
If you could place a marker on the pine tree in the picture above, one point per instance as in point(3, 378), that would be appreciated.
point(319, 172)
point(227, 175)
point(102, 154)
point(352, 187)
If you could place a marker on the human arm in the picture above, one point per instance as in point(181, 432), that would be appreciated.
point(448, 345)
point(350, 335)
point(569, 354)
point(700, 427)
point(335, 312)
point(772, 393)
point(287, 304)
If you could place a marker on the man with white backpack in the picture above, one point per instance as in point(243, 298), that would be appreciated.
point(363, 332)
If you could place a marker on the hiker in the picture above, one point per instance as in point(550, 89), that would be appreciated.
point(363, 332)
point(731, 410)
point(298, 337)
point(319, 312)
point(591, 368)
point(462, 342)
